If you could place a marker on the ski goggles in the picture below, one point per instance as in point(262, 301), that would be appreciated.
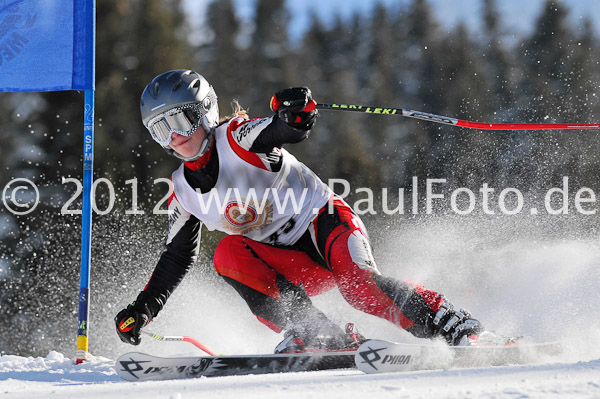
point(183, 120)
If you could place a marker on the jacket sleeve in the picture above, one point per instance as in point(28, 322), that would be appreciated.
point(181, 252)
point(262, 135)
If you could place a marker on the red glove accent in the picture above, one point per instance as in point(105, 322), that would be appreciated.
point(275, 104)
point(311, 106)
point(286, 103)
point(127, 324)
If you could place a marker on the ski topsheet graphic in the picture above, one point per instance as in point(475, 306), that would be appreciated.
point(376, 356)
point(373, 356)
point(137, 366)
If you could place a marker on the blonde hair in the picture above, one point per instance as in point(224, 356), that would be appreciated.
point(238, 110)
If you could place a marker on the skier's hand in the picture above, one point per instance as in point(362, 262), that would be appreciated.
point(296, 107)
point(137, 315)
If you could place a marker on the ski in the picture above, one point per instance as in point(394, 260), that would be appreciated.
point(376, 356)
point(136, 366)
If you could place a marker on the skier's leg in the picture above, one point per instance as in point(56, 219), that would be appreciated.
point(343, 241)
point(275, 283)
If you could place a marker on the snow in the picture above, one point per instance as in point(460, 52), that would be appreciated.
point(516, 277)
point(57, 377)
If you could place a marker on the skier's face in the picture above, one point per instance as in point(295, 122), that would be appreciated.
point(188, 146)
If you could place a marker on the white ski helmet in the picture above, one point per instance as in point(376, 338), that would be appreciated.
point(179, 101)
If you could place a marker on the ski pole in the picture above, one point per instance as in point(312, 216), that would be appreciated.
point(179, 338)
point(453, 121)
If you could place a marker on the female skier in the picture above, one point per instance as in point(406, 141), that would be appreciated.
point(235, 177)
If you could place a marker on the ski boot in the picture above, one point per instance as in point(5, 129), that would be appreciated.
point(299, 341)
point(456, 326)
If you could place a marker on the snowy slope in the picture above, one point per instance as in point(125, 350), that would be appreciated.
point(534, 277)
point(55, 377)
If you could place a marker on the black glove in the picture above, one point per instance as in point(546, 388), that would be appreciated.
point(296, 107)
point(137, 315)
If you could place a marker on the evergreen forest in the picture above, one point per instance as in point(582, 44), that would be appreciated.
point(392, 57)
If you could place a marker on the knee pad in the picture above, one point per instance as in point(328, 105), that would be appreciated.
point(360, 252)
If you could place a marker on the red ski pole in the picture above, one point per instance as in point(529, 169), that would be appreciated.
point(453, 121)
point(179, 338)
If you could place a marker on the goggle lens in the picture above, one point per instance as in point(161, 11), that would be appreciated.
point(181, 120)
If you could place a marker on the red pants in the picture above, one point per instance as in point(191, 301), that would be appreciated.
point(276, 282)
